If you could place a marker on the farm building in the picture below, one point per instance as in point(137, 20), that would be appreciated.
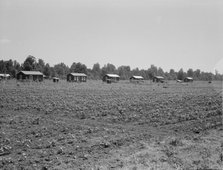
point(109, 78)
point(77, 77)
point(158, 79)
point(188, 79)
point(30, 75)
point(4, 76)
point(136, 79)
point(55, 79)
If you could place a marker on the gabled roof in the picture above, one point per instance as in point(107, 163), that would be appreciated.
point(190, 78)
point(4, 75)
point(78, 74)
point(159, 77)
point(112, 75)
point(32, 73)
point(137, 77)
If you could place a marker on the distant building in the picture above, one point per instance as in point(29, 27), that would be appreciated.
point(76, 77)
point(188, 79)
point(111, 78)
point(55, 79)
point(4, 76)
point(158, 79)
point(179, 81)
point(29, 76)
point(136, 79)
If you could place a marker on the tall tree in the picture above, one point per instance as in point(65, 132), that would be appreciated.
point(30, 63)
point(190, 72)
point(96, 71)
point(180, 74)
point(197, 74)
point(124, 72)
point(40, 65)
point(172, 74)
point(78, 68)
point(160, 72)
point(47, 70)
point(61, 70)
point(109, 68)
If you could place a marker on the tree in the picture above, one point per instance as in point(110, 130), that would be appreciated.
point(151, 72)
point(61, 70)
point(135, 71)
point(172, 74)
point(124, 72)
point(47, 70)
point(197, 74)
point(96, 71)
point(190, 72)
point(30, 63)
point(40, 65)
point(160, 72)
point(78, 68)
point(180, 74)
point(109, 68)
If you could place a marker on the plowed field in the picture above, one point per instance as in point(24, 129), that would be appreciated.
point(99, 126)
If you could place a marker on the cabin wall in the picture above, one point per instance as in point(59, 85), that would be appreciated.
point(22, 77)
point(72, 78)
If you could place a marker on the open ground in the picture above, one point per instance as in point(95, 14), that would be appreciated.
point(99, 126)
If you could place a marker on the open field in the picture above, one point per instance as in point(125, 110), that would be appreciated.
point(101, 126)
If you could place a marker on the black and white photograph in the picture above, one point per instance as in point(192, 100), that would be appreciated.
point(111, 84)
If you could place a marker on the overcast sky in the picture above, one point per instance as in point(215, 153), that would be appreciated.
point(167, 33)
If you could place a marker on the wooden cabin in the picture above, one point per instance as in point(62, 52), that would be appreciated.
point(29, 76)
point(136, 79)
point(56, 79)
point(4, 76)
point(158, 79)
point(111, 78)
point(188, 79)
point(76, 77)
point(179, 81)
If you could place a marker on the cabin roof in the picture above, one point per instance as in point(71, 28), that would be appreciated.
point(159, 77)
point(137, 77)
point(190, 78)
point(32, 73)
point(112, 75)
point(78, 74)
point(4, 75)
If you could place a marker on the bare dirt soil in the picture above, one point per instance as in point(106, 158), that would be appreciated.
point(99, 126)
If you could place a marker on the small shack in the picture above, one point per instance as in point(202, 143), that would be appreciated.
point(56, 79)
point(4, 76)
point(111, 78)
point(29, 76)
point(158, 79)
point(76, 77)
point(136, 79)
point(188, 79)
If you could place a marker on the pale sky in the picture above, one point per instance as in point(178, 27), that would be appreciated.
point(167, 33)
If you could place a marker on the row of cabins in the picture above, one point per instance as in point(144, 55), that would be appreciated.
point(81, 77)
point(38, 76)
point(161, 79)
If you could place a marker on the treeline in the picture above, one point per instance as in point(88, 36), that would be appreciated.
point(97, 72)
